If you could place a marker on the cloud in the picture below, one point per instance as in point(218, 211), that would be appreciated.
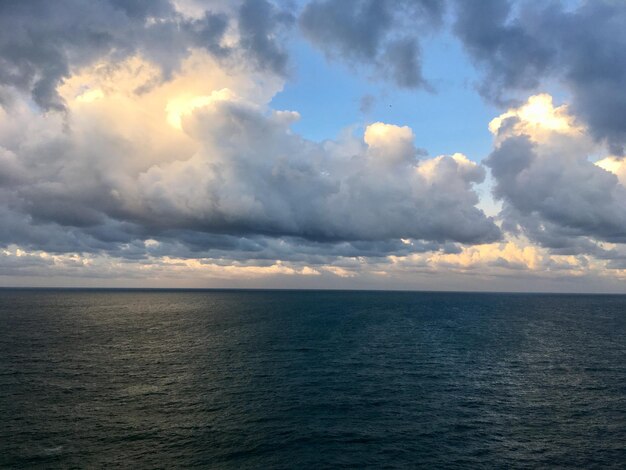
point(510, 266)
point(167, 161)
point(552, 190)
point(259, 23)
point(523, 45)
point(379, 34)
point(253, 176)
point(202, 166)
point(42, 43)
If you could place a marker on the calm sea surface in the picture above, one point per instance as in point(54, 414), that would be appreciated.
point(275, 379)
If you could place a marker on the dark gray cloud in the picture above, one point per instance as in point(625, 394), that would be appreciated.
point(382, 34)
point(126, 240)
point(523, 45)
point(259, 24)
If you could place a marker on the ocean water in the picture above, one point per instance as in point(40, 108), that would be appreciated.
point(292, 379)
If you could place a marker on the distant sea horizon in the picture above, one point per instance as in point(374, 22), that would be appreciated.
point(307, 289)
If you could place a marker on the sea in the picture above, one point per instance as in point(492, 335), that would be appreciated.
point(238, 379)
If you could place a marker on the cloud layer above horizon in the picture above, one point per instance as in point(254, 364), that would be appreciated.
point(140, 145)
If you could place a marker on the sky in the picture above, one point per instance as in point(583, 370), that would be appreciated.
point(352, 144)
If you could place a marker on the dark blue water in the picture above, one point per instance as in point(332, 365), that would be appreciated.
point(240, 379)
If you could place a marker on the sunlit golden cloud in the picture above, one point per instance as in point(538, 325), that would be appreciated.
point(537, 118)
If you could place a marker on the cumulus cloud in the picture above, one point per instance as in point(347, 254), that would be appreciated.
point(553, 191)
point(42, 43)
point(199, 163)
point(168, 162)
point(523, 45)
point(167, 148)
point(380, 34)
point(252, 175)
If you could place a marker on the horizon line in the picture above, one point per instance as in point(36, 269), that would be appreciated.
point(300, 289)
